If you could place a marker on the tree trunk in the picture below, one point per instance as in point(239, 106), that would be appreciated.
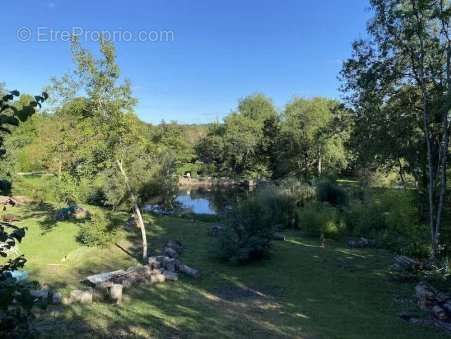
point(136, 210)
point(426, 130)
point(443, 158)
point(320, 169)
point(141, 225)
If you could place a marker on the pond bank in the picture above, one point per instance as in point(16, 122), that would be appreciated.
point(208, 182)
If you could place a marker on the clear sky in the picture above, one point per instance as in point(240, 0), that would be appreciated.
point(220, 51)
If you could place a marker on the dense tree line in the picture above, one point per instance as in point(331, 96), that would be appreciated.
point(306, 139)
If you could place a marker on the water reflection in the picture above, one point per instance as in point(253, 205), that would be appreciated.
point(195, 205)
point(209, 201)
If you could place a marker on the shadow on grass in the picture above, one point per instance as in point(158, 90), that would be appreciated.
point(303, 291)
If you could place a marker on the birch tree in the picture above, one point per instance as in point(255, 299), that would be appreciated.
point(407, 56)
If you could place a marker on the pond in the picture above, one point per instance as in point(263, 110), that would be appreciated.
point(209, 201)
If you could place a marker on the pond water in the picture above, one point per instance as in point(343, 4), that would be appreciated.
point(210, 201)
point(196, 205)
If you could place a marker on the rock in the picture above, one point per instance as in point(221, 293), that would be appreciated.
point(22, 200)
point(175, 245)
point(157, 278)
point(101, 278)
point(116, 293)
point(153, 262)
point(278, 236)
point(170, 252)
point(360, 243)
point(41, 294)
point(126, 283)
point(67, 300)
point(185, 269)
point(167, 263)
point(447, 306)
point(425, 295)
point(84, 297)
point(406, 263)
point(5, 200)
point(9, 218)
point(134, 274)
point(57, 298)
point(171, 276)
point(439, 313)
point(80, 213)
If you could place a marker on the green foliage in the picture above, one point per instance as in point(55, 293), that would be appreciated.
point(249, 228)
point(312, 138)
point(41, 188)
point(392, 218)
point(331, 193)
point(15, 298)
point(308, 138)
point(251, 222)
point(151, 179)
point(234, 148)
point(317, 218)
point(398, 84)
point(97, 230)
point(67, 190)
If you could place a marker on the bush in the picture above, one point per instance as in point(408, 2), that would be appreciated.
point(5, 186)
point(283, 200)
point(318, 218)
point(299, 191)
point(392, 219)
point(332, 193)
point(97, 230)
point(91, 192)
point(249, 228)
point(67, 191)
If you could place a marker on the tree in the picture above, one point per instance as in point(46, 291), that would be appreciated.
point(109, 129)
point(15, 299)
point(312, 138)
point(233, 148)
point(408, 58)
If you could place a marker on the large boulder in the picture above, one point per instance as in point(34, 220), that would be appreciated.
point(157, 277)
point(115, 292)
point(40, 294)
point(57, 298)
point(170, 252)
point(167, 263)
point(171, 276)
point(83, 297)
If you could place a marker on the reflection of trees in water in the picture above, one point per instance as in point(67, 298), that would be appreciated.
point(219, 197)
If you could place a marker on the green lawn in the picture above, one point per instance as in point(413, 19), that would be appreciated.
point(303, 291)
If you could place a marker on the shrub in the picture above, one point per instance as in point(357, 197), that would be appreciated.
point(249, 228)
point(318, 218)
point(283, 200)
point(332, 193)
point(67, 191)
point(97, 230)
point(91, 192)
point(392, 219)
point(299, 191)
point(279, 203)
point(5, 186)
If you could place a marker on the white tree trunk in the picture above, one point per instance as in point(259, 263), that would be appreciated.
point(136, 210)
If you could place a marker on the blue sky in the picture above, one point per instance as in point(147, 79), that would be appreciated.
point(221, 51)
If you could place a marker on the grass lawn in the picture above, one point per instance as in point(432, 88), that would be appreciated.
point(302, 291)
